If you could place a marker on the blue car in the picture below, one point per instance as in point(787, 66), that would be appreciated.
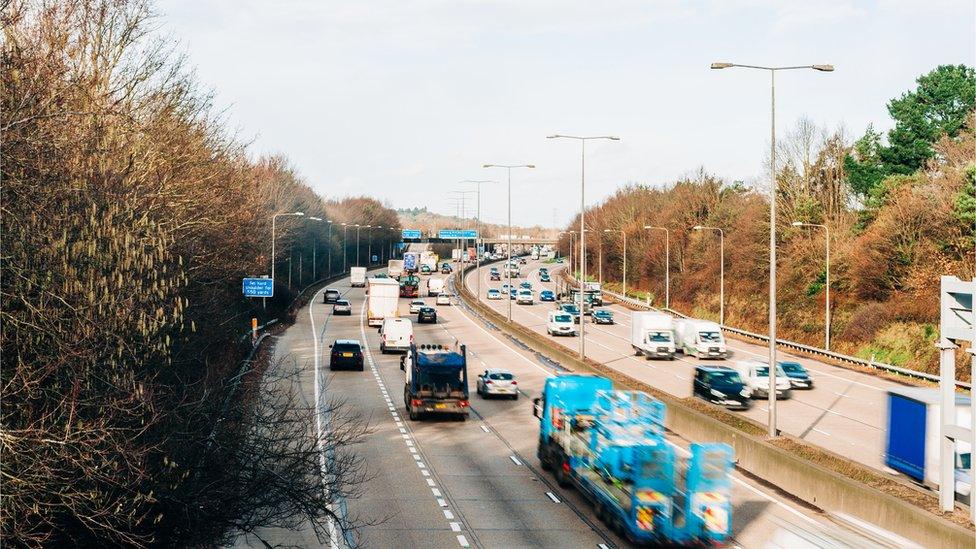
point(544, 278)
point(547, 295)
point(512, 295)
point(799, 377)
point(526, 285)
point(602, 316)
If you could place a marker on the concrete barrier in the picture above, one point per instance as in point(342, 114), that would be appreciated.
point(803, 479)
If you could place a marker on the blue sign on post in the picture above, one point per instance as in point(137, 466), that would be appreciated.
point(410, 261)
point(410, 234)
point(457, 233)
point(258, 287)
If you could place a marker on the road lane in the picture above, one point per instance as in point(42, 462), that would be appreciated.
point(844, 413)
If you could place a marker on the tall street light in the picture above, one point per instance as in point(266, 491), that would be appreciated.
point(772, 221)
point(315, 245)
point(274, 219)
point(358, 226)
point(827, 285)
point(721, 275)
point(329, 266)
point(624, 235)
point(480, 238)
point(508, 270)
point(667, 263)
point(345, 228)
point(582, 140)
point(369, 245)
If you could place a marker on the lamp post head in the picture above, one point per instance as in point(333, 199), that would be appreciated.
point(648, 227)
point(607, 231)
point(823, 68)
point(797, 223)
point(298, 213)
point(313, 218)
point(697, 227)
point(530, 165)
point(613, 138)
point(721, 65)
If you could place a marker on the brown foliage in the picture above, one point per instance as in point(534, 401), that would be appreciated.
point(128, 223)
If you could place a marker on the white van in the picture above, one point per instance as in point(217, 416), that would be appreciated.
point(396, 334)
point(435, 286)
point(755, 375)
point(701, 338)
point(560, 323)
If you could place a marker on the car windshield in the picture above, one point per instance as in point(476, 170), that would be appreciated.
point(571, 309)
point(659, 337)
point(725, 378)
point(342, 302)
point(763, 371)
point(710, 337)
point(792, 367)
point(330, 292)
point(504, 376)
point(563, 318)
point(525, 292)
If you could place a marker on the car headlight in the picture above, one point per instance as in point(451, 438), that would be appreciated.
point(745, 392)
point(718, 394)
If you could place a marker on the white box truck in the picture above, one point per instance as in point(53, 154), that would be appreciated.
point(435, 286)
point(357, 277)
point(652, 334)
point(382, 300)
point(394, 268)
point(700, 338)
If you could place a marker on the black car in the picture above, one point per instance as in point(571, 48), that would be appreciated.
point(427, 314)
point(347, 354)
point(722, 385)
point(495, 275)
point(799, 377)
point(331, 295)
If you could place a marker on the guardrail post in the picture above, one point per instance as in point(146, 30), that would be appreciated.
point(254, 331)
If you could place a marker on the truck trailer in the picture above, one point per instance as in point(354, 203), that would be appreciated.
point(394, 268)
point(382, 300)
point(435, 381)
point(912, 438)
point(409, 286)
point(652, 334)
point(610, 445)
point(357, 277)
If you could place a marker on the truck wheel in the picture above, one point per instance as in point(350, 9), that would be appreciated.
point(543, 460)
point(561, 475)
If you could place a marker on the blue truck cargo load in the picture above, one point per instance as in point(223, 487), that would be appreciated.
point(435, 381)
point(611, 446)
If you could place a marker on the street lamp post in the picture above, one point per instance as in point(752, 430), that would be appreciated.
point(369, 245)
point(582, 259)
point(478, 241)
point(314, 246)
point(274, 219)
point(345, 229)
point(667, 264)
point(721, 275)
point(329, 261)
point(508, 270)
point(827, 285)
point(358, 226)
point(772, 222)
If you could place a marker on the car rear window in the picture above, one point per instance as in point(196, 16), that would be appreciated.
point(563, 318)
point(724, 377)
point(342, 302)
point(501, 377)
point(346, 348)
point(792, 367)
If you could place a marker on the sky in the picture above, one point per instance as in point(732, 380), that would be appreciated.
point(403, 99)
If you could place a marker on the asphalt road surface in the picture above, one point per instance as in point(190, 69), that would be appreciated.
point(477, 483)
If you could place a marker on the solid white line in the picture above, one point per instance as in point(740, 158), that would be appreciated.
point(323, 469)
point(821, 432)
point(484, 428)
point(515, 460)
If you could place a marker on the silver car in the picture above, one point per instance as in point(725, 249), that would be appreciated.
point(342, 307)
point(497, 382)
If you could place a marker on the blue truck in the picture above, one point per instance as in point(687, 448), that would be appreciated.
point(435, 381)
point(912, 437)
point(611, 446)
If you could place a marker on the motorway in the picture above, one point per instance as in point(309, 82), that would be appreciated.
point(844, 412)
point(475, 483)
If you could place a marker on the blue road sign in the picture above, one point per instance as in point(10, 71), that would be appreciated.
point(258, 287)
point(457, 233)
point(410, 261)
point(410, 234)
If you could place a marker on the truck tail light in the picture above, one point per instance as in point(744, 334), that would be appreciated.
point(464, 403)
point(416, 402)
